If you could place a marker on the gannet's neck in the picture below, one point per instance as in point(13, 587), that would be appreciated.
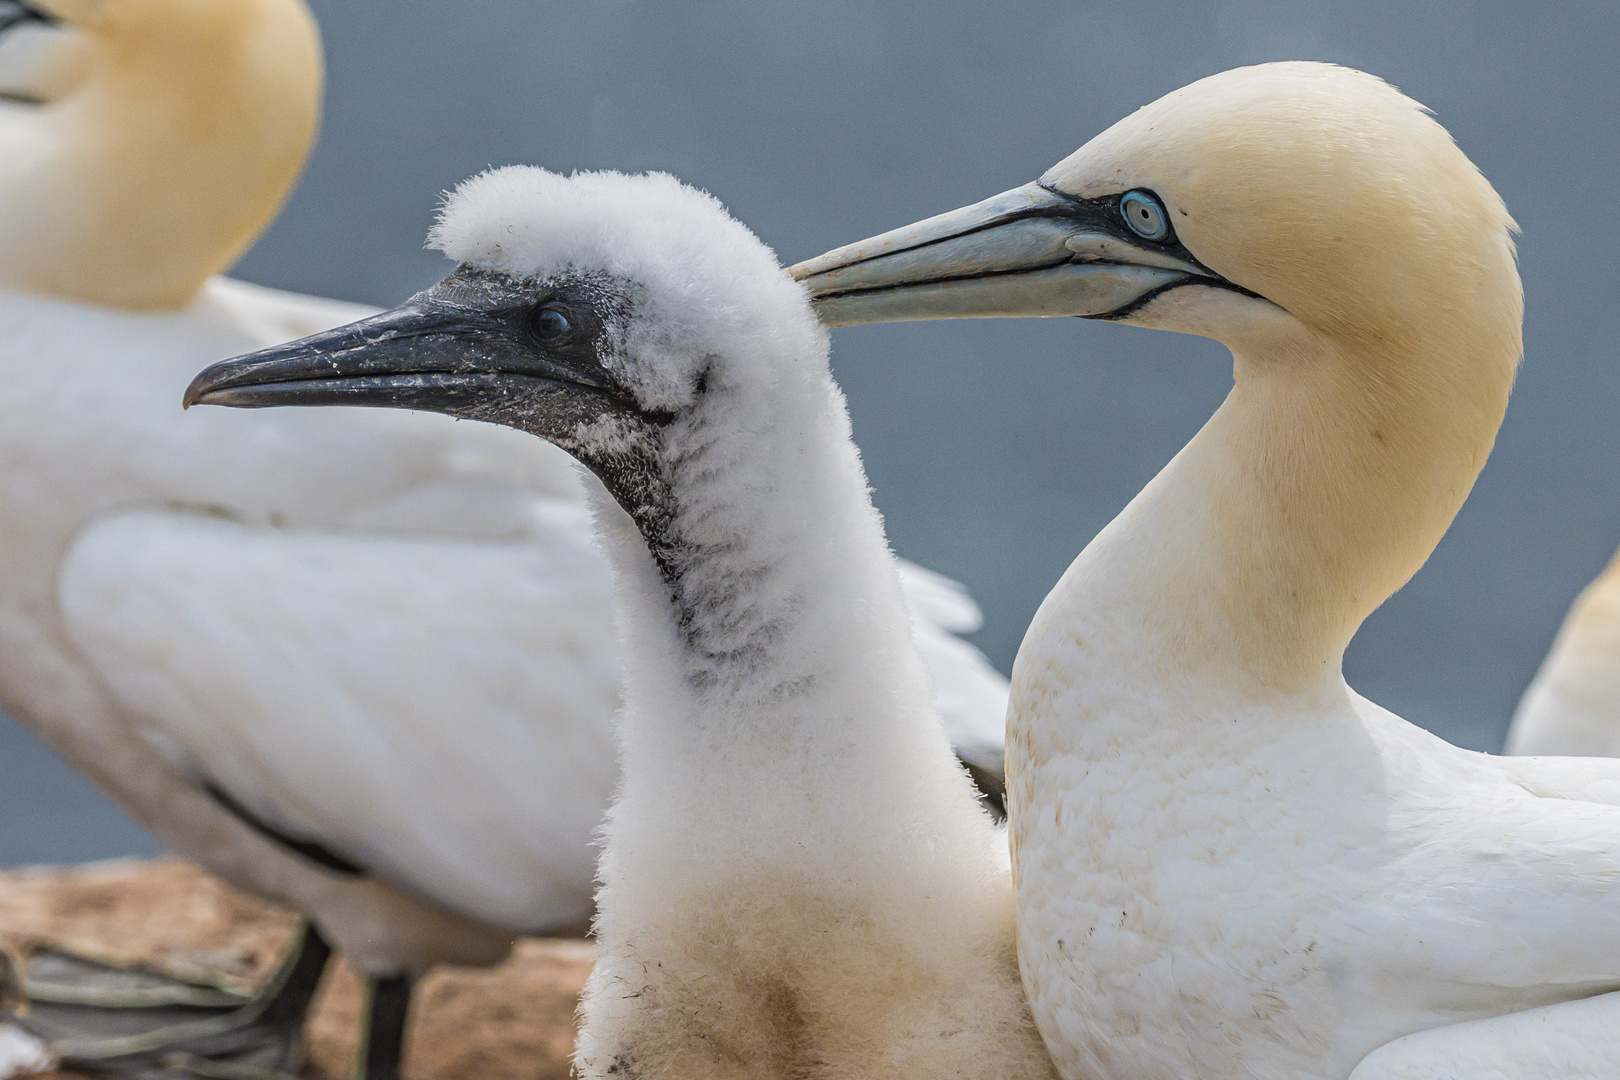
point(777, 713)
point(159, 169)
point(1319, 487)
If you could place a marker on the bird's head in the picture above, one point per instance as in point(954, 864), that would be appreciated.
point(153, 139)
point(1361, 270)
point(1262, 200)
point(42, 58)
point(170, 39)
point(602, 312)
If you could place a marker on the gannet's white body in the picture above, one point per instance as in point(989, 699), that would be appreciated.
point(387, 634)
point(796, 878)
point(1230, 864)
point(1573, 704)
point(249, 595)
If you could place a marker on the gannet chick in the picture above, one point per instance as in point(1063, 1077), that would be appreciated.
point(1572, 706)
point(1230, 864)
point(796, 879)
point(362, 665)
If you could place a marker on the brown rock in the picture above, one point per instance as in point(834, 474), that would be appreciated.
point(510, 1022)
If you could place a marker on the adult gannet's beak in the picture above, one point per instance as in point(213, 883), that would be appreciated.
point(1031, 251)
point(465, 347)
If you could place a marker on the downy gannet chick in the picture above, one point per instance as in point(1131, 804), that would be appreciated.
point(797, 880)
point(1230, 864)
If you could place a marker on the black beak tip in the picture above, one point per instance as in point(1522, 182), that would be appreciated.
point(217, 380)
point(199, 389)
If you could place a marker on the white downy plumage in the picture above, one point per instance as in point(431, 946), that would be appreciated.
point(388, 634)
point(1573, 704)
point(1230, 864)
point(796, 878)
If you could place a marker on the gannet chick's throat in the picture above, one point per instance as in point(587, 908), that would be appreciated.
point(797, 878)
point(1229, 864)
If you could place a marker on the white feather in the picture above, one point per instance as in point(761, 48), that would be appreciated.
point(1577, 1040)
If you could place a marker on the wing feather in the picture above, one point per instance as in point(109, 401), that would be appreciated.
point(333, 686)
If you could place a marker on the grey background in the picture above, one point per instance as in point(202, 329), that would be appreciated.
point(997, 449)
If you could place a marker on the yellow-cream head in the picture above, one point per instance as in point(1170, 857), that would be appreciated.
point(1325, 228)
point(1319, 189)
point(148, 142)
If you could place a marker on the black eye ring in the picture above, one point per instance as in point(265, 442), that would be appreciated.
point(1145, 215)
point(550, 324)
point(15, 12)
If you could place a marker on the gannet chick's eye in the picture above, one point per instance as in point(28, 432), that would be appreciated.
point(1144, 213)
point(550, 324)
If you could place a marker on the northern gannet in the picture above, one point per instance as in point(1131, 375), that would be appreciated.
point(796, 879)
point(1572, 706)
point(1228, 863)
point(364, 665)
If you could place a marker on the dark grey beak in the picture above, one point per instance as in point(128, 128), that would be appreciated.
point(438, 352)
point(412, 352)
point(1031, 251)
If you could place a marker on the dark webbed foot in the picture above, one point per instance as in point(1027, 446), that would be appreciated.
point(100, 1018)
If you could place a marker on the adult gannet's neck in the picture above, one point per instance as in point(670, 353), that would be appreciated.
point(164, 163)
point(1319, 487)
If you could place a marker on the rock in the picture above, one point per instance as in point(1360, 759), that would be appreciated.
point(510, 1022)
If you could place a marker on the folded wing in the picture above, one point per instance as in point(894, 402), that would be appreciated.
point(435, 710)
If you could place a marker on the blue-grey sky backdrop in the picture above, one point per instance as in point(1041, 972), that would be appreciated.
point(996, 449)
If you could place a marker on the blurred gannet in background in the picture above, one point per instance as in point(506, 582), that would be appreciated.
point(1573, 704)
point(363, 664)
point(797, 880)
point(1230, 864)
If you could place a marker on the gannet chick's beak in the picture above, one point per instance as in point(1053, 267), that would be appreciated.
point(1031, 251)
point(478, 345)
point(482, 344)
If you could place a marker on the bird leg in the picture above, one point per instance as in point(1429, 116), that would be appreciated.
point(382, 1028)
point(13, 996)
point(111, 1021)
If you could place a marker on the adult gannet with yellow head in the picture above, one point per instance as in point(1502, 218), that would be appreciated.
point(145, 143)
point(1228, 863)
point(364, 665)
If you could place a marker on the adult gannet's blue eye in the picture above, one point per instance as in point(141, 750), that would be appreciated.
point(550, 324)
point(1145, 215)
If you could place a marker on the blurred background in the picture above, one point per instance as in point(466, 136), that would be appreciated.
point(996, 449)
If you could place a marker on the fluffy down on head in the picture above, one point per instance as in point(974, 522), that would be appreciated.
point(706, 285)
